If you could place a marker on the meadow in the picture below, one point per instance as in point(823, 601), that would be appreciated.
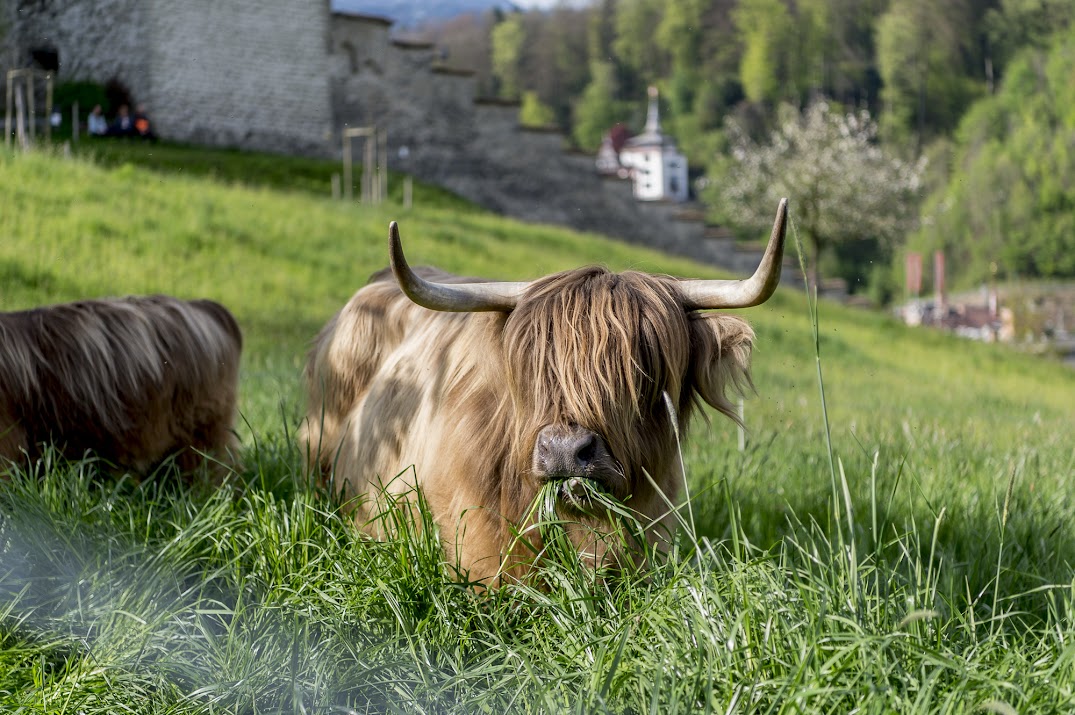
point(898, 542)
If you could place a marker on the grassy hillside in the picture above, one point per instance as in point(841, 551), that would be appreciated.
point(934, 552)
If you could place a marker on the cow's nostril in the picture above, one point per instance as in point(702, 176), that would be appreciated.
point(587, 450)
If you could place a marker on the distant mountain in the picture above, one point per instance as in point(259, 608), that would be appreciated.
point(410, 13)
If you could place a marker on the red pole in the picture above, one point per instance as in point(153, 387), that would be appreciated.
point(938, 278)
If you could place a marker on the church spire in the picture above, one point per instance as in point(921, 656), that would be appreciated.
point(653, 117)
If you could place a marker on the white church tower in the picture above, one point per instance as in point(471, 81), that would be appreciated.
point(659, 170)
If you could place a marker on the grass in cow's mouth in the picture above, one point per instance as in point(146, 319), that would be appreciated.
point(577, 496)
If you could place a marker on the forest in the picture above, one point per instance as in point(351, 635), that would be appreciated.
point(894, 125)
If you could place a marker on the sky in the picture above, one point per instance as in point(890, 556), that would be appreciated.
point(546, 4)
point(407, 11)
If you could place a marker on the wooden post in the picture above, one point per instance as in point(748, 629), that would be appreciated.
point(348, 180)
point(20, 119)
point(408, 189)
point(48, 107)
point(382, 168)
point(368, 153)
point(368, 163)
point(10, 106)
point(74, 123)
point(335, 186)
point(30, 109)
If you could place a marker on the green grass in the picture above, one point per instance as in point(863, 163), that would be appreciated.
point(933, 574)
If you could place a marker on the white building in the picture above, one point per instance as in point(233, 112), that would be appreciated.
point(658, 169)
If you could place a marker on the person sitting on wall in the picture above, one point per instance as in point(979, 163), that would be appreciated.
point(96, 123)
point(122, 125)
point(142, 127)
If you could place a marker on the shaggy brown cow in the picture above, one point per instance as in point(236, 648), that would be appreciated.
point(132, 380)
point(491, 390)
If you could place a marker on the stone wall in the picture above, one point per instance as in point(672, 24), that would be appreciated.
point(96, 40)
point(248, 73)
point(245, 73)
point(8, 51)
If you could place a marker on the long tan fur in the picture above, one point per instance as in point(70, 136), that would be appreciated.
point(132, 380)
point(452, 402)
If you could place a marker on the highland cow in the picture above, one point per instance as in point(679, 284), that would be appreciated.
point(133, 381)
point(479, 394)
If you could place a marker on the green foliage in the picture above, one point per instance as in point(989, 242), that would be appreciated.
point(916, 65)
point(533, 113)
point(766, 28)
point(507, 46)
point(1016, 24)
point(1007, 208)
point(918, 44)
point(635, 22)
point(597, 109)
point(87, 94)
point(677, 36)
point(785, 49)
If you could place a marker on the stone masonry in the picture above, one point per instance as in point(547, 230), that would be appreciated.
point(245, 73)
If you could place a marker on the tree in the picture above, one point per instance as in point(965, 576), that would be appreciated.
point(634, 23)
point(1007, 208)
point(598, 109)
point(507, 50)
point(534, 113)
point(766, 30)
point(1026, 23)
point(559, 55)
point(680, 35)
point(464, 43)
point(922, 54)
point(842, 186)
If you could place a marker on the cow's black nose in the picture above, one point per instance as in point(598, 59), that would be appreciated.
point(566, 451)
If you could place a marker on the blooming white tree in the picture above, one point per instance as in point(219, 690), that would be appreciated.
point(841, 184)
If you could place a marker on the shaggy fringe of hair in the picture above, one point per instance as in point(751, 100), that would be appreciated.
point(599, 349)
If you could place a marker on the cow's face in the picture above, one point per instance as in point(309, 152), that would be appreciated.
point(590, 355)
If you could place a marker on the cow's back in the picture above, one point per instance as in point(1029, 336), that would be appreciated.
point(370, 370)
point(132, 380)
point(381, 378)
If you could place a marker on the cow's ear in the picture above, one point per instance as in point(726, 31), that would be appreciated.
point(720, 359)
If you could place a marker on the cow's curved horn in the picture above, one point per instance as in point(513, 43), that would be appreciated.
point(710, 294)
point(451, 297)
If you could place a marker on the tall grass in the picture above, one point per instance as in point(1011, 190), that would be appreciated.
point(925, 568)
point(155, 598)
